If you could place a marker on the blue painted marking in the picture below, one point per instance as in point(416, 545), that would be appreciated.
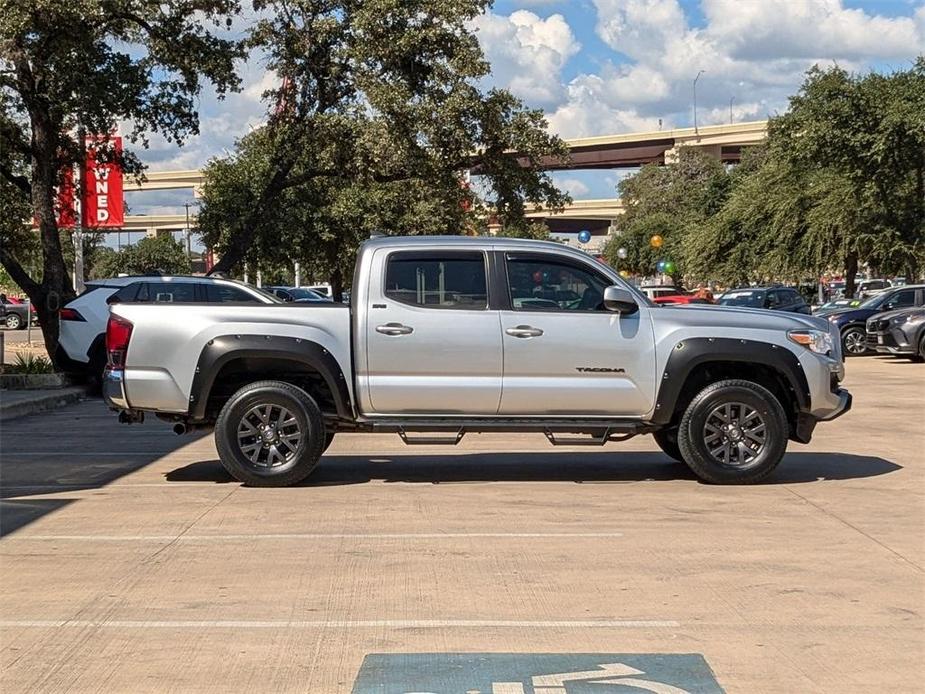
point(468, 673)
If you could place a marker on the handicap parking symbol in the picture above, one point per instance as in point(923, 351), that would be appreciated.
point(535, 673)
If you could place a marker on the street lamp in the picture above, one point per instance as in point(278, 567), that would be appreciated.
point(731, 99)
point(696, 132)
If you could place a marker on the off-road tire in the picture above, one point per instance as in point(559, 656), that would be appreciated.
point(692, 433)
point(667, 440)
point(276, 394)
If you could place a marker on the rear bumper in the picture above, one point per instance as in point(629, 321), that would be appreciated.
point(114, 389)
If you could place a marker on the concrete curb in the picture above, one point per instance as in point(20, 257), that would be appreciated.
point(30, 402)
point(33, 381)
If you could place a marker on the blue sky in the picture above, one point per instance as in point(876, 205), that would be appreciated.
point(608, 66)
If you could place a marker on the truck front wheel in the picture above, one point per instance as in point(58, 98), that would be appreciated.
point(733, 432)
point(270, 434)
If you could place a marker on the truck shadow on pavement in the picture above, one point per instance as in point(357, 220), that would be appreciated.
point(48, 459)
point(557, 466)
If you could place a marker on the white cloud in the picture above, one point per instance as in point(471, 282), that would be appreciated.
point(527, 53)
point(753, 52)
point(809, 29)
point(573, 187)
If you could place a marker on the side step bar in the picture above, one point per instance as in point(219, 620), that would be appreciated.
point(598, 431)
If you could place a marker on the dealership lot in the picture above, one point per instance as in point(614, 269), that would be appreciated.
point(132, 562)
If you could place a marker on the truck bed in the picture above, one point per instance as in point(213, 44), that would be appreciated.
point(167, 340)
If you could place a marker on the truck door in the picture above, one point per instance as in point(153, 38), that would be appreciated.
point(433, 344)
point(564, 353)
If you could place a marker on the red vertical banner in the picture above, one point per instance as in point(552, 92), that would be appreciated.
point(104, 205)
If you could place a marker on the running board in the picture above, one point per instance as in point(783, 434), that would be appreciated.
point(431, 440)
point(598, 431)
point(607, 436)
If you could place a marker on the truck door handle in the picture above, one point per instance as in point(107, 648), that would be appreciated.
point(394, 329)
point(524, 331)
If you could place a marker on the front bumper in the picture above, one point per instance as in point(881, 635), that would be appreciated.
point(806, 422)
point(844, 404)
point(114, 389)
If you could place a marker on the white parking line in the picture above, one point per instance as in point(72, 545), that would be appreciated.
point(297, 536)
point(340, 624)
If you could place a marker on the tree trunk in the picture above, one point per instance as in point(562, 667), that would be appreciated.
point(851, 270)
point(56, 288)
point(337, 285)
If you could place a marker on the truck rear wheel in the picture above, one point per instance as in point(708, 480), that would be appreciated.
point(733, 432)
point(270, 434)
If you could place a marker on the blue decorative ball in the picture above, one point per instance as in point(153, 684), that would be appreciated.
point(584, 236)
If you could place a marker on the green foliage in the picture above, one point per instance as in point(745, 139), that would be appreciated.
point(161, 253)
point(839, 182)
point(93, 64)
point(670, 201)
point(377, 115)
point(27, 363)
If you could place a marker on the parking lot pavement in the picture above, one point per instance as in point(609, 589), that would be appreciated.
point(132, 563)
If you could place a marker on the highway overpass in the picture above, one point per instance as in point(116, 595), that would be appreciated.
point(627, 150)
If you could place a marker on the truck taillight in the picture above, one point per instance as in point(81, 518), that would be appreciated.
point(118, 334)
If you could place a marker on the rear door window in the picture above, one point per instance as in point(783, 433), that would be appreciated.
point(451, 280)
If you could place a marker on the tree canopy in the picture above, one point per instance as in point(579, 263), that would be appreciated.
point(839, 182)
point(94, 63)
point(378, 113)
point(151, 254)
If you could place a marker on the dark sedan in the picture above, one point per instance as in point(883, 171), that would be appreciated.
point(773, 298)
point(852, 322)
point(901, 333)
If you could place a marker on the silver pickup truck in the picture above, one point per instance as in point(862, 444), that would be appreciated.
point(450, 335)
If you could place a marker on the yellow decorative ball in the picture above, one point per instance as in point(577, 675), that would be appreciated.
point(656, 241)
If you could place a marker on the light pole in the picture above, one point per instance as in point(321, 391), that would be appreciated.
point(81, 197)
point(731, 99)
point(696, 132)
point(189, 251)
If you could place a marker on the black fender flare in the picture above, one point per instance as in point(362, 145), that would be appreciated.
point(689, 353)
point(224, 349)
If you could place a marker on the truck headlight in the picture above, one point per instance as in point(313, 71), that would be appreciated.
point(816, 340)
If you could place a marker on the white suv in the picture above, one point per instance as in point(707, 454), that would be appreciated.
point(81, 345)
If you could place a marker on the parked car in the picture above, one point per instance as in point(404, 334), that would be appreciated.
point(867, 288)
point(82, 346)
point(679, 299)
point(851, 323)
point(773, 298)
point(900, 332)
point(297, 294)
point(14, 313)
point(653, 291)
point(435, 342)
point(323, 289)
point(836, 304)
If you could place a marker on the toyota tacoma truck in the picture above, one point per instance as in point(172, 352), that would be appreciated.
point(451, 335)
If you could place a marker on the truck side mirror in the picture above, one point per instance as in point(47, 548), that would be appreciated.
point(619, 300)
